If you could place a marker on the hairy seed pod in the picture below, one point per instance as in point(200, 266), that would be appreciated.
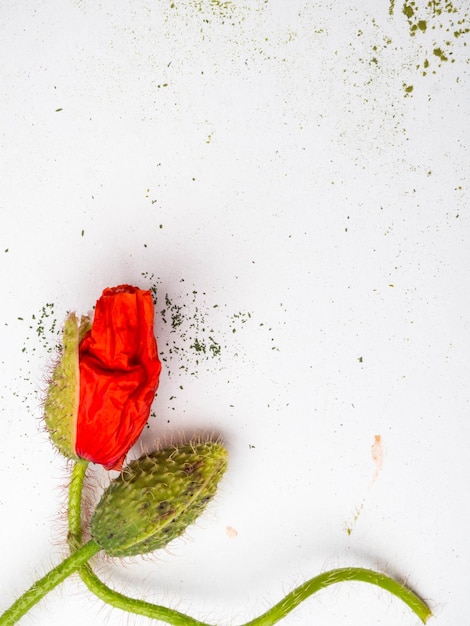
point(157, 497)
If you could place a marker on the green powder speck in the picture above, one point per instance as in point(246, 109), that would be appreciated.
point(191, 332)
point(447, 23)
point(408, 10)
point(438, 52)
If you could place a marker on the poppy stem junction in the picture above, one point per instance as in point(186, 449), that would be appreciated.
point(270, 617)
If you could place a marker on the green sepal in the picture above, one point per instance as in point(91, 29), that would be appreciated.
point(61, 403)
point(157, 497)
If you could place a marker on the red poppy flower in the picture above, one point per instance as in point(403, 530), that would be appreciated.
point(101, 391)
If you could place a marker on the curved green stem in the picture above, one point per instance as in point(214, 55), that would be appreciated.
point(47, 583)
point(272, 616)
point(133, 605)
point(343, 574)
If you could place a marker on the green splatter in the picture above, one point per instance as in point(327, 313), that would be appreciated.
point(408, 10)
point(445, 21)
point(190, 331)
point(438, 52)
point(44, 324)
point(217, 8)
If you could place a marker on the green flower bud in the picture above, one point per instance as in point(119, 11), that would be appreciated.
point(61, 404)
point(157, 497)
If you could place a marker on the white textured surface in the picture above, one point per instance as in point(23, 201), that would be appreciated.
point(266, 156)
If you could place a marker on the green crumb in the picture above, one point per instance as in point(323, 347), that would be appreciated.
point(438, 52)
point(408, 10)
point(198, 346)
point(193, 332)
point(360, 359)
point(214, 347)
point(445, 20)
point(45, 326)
point(58, 110)
point(83, 232)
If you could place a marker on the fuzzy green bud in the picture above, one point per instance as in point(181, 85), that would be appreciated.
point(61, 404)
point(157, 497)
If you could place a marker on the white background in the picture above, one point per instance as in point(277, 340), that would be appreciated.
point(270, 157)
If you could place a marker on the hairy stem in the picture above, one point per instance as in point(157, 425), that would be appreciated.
point(344, 574)
point(272, 616)
point(75, 504)
point(47, 583)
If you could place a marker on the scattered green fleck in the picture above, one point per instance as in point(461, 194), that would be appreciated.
point(360, 359)
point(199, 346)
point(83, 232)
point(214, 347)
point(186, 328)
point(45, 326)
point(438, 52)
point(408, 10)
point(58, 110)
point(6, 249)
point(444, 20)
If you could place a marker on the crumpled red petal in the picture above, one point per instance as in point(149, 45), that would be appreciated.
point(119, 374)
